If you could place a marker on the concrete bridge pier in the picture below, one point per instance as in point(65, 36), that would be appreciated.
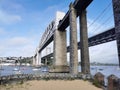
point(85, 63)
point(73, 41)
point(38, 62)
point(34, 60)
point(116, 10)
point(39, 59)
point(60, 56)
point(46, 61)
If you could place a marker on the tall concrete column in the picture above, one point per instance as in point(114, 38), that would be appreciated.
point(73, 41)
point(116, 10)
point(85, 63)
point(37, 61)
point(34, 60)
point(45, 61)
point(60, 55)
point(38, 58)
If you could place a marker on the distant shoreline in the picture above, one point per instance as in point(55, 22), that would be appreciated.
point(92, 64)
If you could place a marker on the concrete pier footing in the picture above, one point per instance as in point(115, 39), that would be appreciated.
point(38, 61)
point(60, 56)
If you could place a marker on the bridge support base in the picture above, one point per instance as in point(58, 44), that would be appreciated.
point(38, 59)
point(60, 56)
point(34, 60)
point(59, 69)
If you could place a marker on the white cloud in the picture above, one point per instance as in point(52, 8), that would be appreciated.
point(2, 31)
point(18, 41)
point(2, 50)
point(17, 46)
point(6, 18)
point(104, 53)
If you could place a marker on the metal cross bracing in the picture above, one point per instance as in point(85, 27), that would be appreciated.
point(101, 38)
point(47, 35)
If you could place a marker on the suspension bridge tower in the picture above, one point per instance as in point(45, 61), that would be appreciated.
point(116, 10)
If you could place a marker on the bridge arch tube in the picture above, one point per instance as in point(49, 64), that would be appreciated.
point(60, 55)
point(73, 41)
point(85, 63)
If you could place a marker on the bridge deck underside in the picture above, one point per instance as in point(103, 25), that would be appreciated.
point(79, 5)
point(104, 37)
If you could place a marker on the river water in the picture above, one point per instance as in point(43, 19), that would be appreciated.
point(10, 70)
point(106, 70)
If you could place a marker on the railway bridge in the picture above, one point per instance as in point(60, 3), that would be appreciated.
point(56, 32)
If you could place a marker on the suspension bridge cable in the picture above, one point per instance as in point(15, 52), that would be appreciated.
point(100, 15)
point(98, 26)
point(108, 19)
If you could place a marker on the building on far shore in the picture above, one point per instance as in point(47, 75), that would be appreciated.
point(15, 60)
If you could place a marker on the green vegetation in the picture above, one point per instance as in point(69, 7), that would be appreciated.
point(26, 60)
point(49, 61)
point(101, 64)
point(96, 83)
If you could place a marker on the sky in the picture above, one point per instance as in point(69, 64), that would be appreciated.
point(22, 22)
